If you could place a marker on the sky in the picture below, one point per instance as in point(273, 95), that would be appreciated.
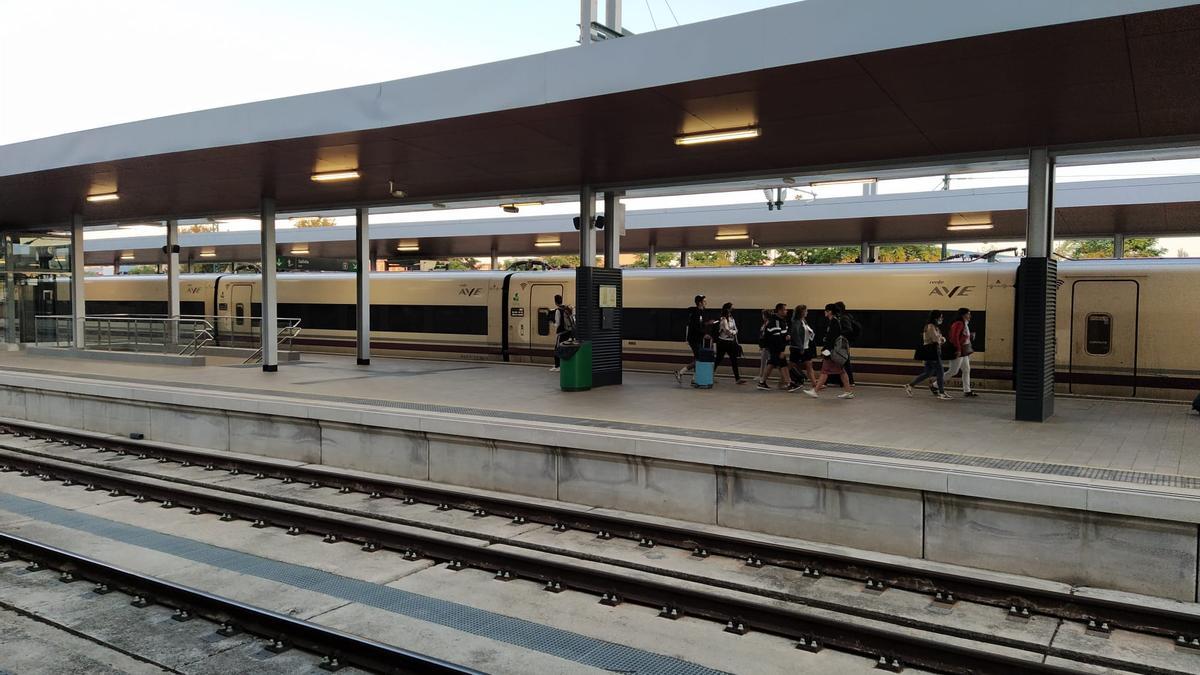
point(67, 65)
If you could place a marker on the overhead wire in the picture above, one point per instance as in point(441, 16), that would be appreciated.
point(651, 15)
point(672, 11)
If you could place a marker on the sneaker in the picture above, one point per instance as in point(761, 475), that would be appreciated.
point(554, 369)
point(971, 394)
point(944, 396)
point(742, 381)
point(679, 376)
point(795, 387)
point(908, 390)
point(764, 386)
point(810, 392)
point(848, 394)
point(933, 391)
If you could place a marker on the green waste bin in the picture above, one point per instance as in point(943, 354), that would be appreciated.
point(575, 363)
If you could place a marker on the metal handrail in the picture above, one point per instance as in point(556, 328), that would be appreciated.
point(286, 334)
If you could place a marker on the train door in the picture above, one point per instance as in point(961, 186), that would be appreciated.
point(1104, 337)
point(540, 315)
point(241, 324)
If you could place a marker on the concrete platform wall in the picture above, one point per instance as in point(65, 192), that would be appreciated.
point(1087, 548)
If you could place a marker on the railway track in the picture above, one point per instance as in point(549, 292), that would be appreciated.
point(938, 648)
point(336, 648)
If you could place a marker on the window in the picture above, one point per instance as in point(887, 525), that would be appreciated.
point(543, 321)
point(1099, 334)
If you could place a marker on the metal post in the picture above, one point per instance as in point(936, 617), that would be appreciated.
point(1039, 235)
point(614, 225)
point(945, 250)
point(864, 252)
point(1119, 245)
point(10, 292)
point(270, 310)
point(869, 189)
point(587, 14)
point(612, 15)
point(172, 251)
point(495, 258)
point(652, 260)
point(78, 296)
point(683, 258)
point(587, 230)
point(872, 252)
point(362, 239)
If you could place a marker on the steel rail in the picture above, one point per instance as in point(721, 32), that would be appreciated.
point(887, 646)
point(1021, 601)
point(336, 647)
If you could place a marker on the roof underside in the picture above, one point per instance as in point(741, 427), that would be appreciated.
point(1110, 80)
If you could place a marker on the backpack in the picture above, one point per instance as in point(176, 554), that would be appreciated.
point(851, 328)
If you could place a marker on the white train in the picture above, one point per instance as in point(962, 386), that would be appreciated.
point(1124, 328)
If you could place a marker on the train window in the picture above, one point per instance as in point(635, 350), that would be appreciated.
point(543, 321)
point(1099, 334)
point(239, 309)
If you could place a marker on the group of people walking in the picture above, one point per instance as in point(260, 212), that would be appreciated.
point(789, 331)
point(780, 331)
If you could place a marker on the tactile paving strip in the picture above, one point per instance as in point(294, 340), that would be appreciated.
point(519, 632)
point(1046, 468)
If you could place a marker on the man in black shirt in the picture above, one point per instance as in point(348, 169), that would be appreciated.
point(776, 339)
point(696, 328)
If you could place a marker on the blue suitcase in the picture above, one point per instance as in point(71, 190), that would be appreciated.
point(705, 363)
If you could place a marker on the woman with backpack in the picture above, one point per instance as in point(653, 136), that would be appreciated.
point(836, 352)
point(931, 353)
point(727, 341)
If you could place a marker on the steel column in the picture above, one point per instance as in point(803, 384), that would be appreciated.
point(269, 327)
point(587, 14)
point(652, 260)
point(614, 226)
point(172, 251)
point(587, 230)
point(683, 258)
point(362, 277)
point(1119, 245)
point(1039, 233)
point(864, 253)
point(10, 298)
point(78, 296)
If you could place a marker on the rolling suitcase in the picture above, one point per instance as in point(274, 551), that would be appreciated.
point(705, 363)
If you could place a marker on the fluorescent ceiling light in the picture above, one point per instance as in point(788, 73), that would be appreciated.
point(329, 176)
point(59, 233)
point(980, 226)
point(107, 197)
point(208, 254)
point(547, 244)
point(300, 250)
point(126, 256)
point(844, 181)
point(408, 245)
point(730, 237)
point(718, 136)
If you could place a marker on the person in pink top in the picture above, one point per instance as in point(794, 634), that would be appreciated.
point(960, 341)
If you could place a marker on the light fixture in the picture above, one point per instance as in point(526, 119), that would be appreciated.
point(980, 226)
point(397, 193)
point(330, 176)
point(731, 237)
point(970, 221)
point(844, 181)
point(127, 256)
point(107, 197)
point(548, 243)
point(299, 250)
point(718, 136)
point(515, 207)
point(408, 246)
point(58, 233)
point(208, 254)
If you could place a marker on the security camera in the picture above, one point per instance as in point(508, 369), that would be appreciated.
point(398, 194)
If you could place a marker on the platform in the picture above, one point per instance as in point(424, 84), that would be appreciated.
point(1107, 493)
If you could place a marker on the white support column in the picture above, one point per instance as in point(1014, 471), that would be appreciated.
point(78, 296)
point(269, 327)
point(652, 259)
point(1119, 245)
point(1040, 214)
point(614, 226)
point(172, 251)
point(362, 240)
point(587, 14)
point(612, 15)
point(10, 293)
point(495, 260)
point(587, 230)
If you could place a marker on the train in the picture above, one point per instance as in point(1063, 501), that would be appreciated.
point(1124, 327)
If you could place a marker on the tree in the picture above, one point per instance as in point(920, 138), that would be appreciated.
point(142, 269)
point(709, 258)
point(821, 255)
point(1135, 247)
point(314, 222)
point(660, 260)
point(561, 261)
point(210, 226)
point(752, 256)
point(462, 264)
point(909, 253)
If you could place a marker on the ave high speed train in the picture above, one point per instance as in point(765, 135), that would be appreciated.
point(1124, 328)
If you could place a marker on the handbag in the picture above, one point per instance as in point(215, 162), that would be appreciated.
point(840, 353)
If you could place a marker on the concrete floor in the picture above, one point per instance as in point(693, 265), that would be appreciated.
point(1104, 434)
